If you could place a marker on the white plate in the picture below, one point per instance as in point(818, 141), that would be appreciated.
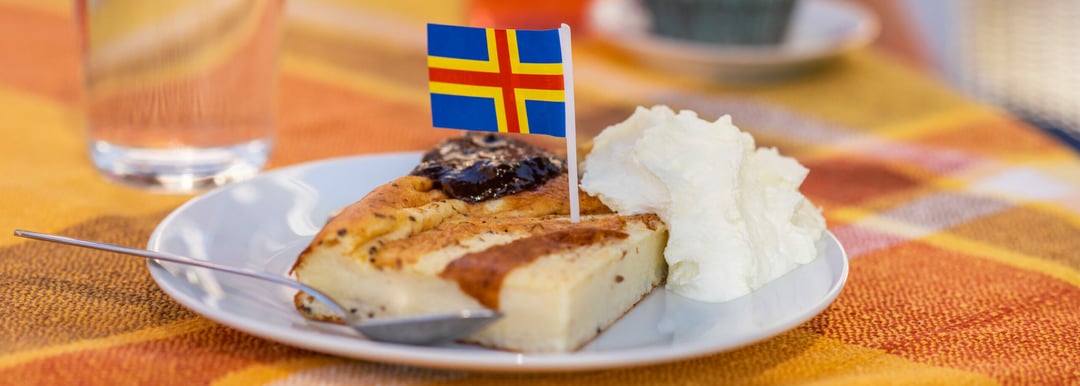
point(820, 30)
point(265, 222)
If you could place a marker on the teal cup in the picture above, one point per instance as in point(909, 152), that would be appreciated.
point(723, 22)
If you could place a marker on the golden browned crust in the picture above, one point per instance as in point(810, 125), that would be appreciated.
point(378, 213)
point(551, 198)
point(301, 301)
point(480, 274)
point(410, 205)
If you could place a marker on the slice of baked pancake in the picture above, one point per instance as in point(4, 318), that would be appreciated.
point(407, 248)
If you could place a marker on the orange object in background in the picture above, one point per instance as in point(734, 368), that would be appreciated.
point(529, 14)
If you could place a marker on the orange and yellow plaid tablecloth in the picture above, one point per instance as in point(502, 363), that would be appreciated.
point(962, 224)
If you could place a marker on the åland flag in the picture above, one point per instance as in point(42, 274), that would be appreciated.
point(502, 80)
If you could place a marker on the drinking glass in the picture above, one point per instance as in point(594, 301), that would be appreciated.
point(179, 95)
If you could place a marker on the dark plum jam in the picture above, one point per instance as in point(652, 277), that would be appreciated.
point(478, 167)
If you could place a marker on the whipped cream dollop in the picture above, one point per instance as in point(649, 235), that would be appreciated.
point(736, 217)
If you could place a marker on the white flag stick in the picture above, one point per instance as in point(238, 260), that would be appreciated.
point(571, 122)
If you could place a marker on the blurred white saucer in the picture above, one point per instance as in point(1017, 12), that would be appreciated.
point(821, 30)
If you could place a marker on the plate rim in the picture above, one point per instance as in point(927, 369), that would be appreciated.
point(435, 357)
